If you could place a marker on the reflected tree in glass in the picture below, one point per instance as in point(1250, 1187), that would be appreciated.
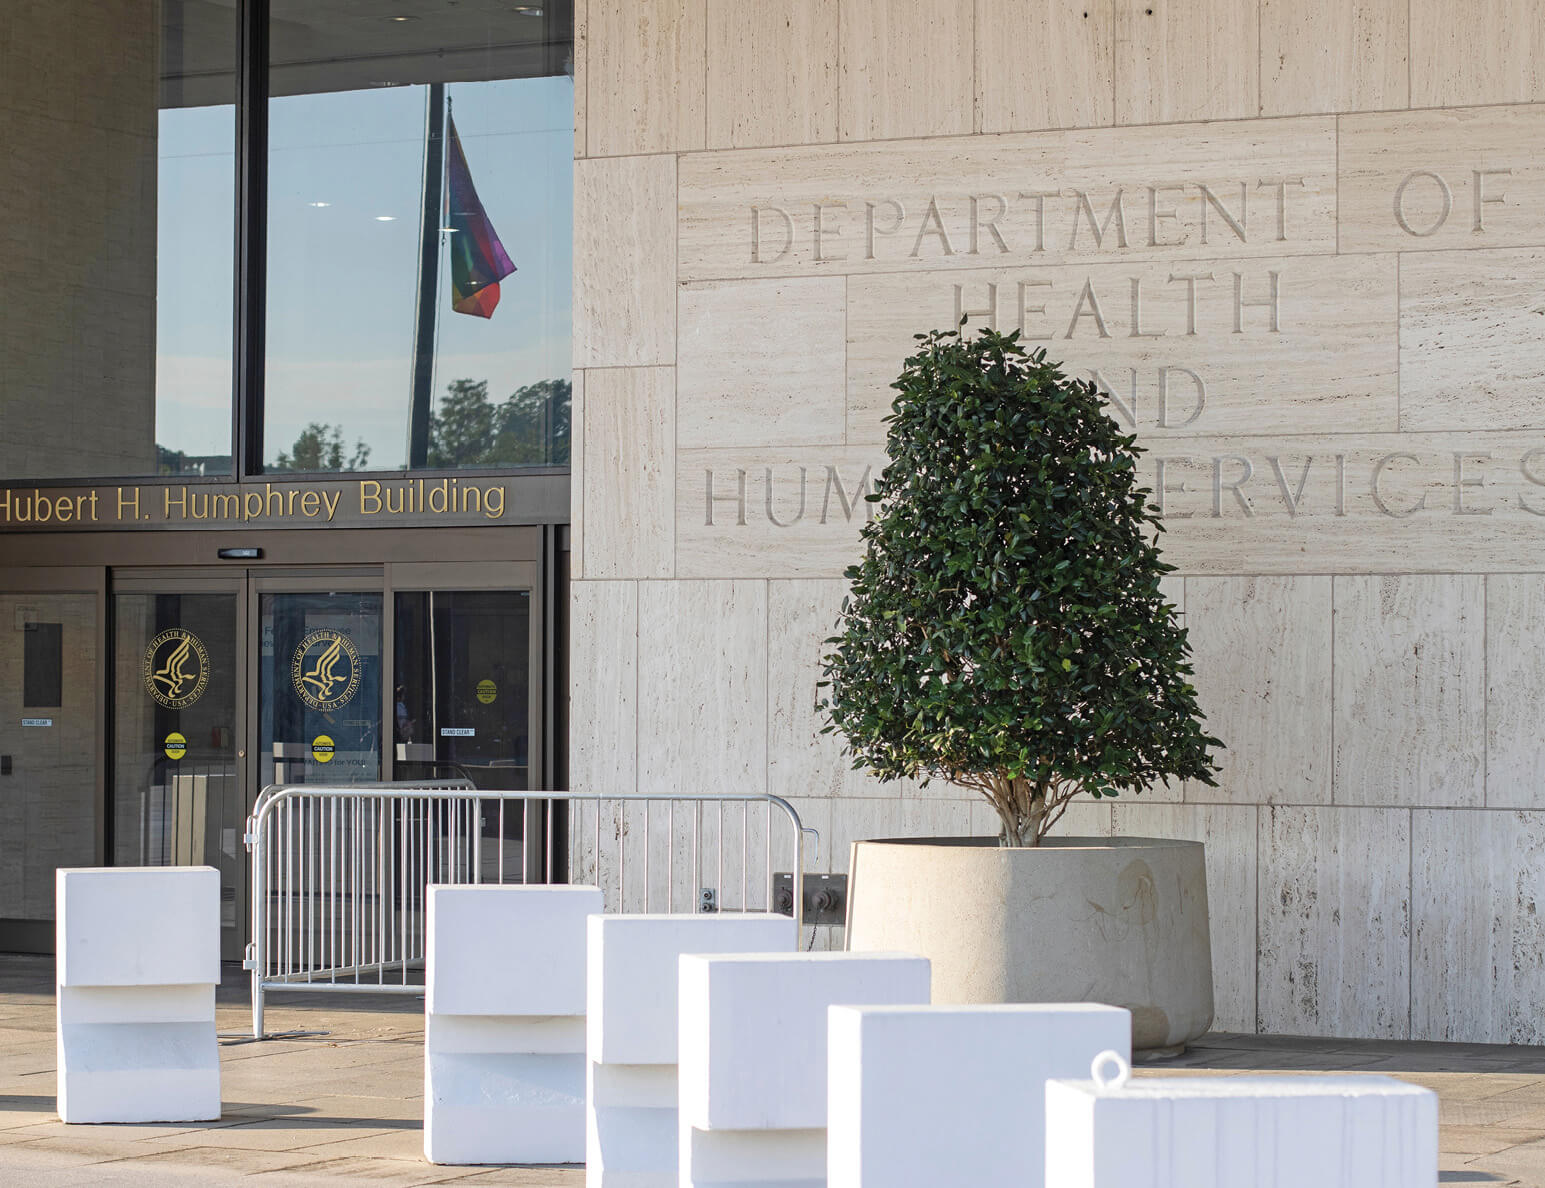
point(530, 427)
point(320, 447)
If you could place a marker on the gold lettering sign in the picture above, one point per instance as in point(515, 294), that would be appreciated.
point(303, 504)
point(176, 668)
point(325, 670)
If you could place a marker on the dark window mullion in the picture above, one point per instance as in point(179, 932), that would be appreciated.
point(251, 232)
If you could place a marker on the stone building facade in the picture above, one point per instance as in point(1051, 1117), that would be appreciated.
point(1302, 245)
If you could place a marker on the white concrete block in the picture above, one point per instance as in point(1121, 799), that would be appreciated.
point(504, 1029)
point(753, 1058)
point(138, 926)
point(906, 1084)
point(1347, 1131)
point(489, 943)
point(138, 961)
point(631, 1017)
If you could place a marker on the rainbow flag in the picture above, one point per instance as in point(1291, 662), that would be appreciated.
point(478, 260)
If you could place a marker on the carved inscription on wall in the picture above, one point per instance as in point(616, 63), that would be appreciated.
point(1381, 502)
point(759, 513)
point(1198, 191)
point(1193, 273)
point(1438, 180)
point(1280, 344)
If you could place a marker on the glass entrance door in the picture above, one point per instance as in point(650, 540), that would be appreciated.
point(224, 683)
point(466, 660)
point(319, 683)
point(462, 702)
point(179, 789)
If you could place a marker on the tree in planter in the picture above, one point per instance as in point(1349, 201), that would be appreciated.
point(1005, 630)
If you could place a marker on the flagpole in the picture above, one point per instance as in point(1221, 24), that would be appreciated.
point(428, 278)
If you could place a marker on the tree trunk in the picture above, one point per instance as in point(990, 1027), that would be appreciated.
point(1023, 814)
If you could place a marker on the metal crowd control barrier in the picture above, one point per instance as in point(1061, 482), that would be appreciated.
point(340, 873)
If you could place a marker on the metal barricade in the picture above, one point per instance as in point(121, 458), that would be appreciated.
point(340, 874)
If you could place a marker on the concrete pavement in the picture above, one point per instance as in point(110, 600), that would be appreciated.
point(349, 1105)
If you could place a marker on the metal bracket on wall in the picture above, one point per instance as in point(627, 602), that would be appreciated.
point(826, 897)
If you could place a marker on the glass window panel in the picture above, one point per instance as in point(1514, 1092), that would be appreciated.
point(397, 335)
point(319, 688)
point(462, 707)
point(462, 703)
point(176, 797)
point(116, 264)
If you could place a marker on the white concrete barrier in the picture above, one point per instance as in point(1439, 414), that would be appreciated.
point(137, 961)
point(1349, 1131)
point(631, 1019)
point(923, 1096)
point(504, 1028)
point(753, 1059)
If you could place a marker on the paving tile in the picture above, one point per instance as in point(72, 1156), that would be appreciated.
point(1525, 1162)
point(260, 1134)
point(531, 1177)
point(383, 1144)
point(1484, 1140)
point(208, 1158)
point(377, 1171)
point(107, 1132)
point(64, 1153)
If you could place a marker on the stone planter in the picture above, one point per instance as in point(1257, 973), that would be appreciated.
point(1121, 921)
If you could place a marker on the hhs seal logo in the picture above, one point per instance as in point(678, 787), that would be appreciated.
point(176, 668)
point(325, 670)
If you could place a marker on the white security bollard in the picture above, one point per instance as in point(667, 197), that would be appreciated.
point(631, 1019)
point(504, 1028)
point(753, 1059)
point(1348, 1131)
point(138, 960)
point(922, 1096)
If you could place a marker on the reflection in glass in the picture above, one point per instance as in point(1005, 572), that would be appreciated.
point(412, 164)
point(195, 252)
point(462, 707)
point(319, 688)
point(176, 800)
point(116, 257)
point(462, 701)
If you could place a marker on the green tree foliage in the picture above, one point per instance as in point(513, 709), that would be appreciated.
point(1004, 630)
point(531, 427)
point(320, 447)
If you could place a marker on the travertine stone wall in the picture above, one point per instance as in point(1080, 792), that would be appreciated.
point(1300, 243)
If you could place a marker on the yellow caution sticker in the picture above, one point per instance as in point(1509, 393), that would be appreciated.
point(322, 749)
point(176, 745)
point(487, 691)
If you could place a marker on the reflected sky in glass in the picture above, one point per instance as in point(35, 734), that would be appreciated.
point(195, 214)
point(345, 192)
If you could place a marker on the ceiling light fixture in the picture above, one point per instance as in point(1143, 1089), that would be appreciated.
point(386, 218)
